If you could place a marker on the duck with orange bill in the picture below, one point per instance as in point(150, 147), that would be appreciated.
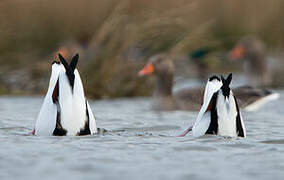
point(162, 68)
point(262, 68)
point(65, 110)
point(220, 113)
point(191, 99)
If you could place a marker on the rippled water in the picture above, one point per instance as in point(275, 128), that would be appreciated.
point(139, 144)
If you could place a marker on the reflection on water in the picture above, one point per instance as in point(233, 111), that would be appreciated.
point(278, 141)
point(137, 143)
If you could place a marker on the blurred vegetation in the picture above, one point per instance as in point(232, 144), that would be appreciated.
point(116, 37)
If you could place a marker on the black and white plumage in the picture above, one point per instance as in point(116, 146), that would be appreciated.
point(65, 110)
point(220, 113)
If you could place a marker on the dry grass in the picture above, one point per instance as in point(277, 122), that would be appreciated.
point(115, 37)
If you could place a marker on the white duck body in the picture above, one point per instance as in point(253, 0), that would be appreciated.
point(65, 110)
point(221, 115)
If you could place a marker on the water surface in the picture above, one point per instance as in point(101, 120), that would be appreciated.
point(139, 144)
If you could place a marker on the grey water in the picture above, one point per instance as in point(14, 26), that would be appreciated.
point(138, 143)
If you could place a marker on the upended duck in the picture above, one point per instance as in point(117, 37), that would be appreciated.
point(220, 113)
point(65, 110)
point(191, 99)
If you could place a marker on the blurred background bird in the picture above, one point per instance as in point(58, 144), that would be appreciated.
point(261, 68)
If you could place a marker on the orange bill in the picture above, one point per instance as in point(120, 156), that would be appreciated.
point(237, 53)
point(148, 69)
point(63, 51)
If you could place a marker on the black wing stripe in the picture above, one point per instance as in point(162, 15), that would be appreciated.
point(213, 127)
point(86, 130)
point(55, 92)
point(240, 130)
point(59, 130)
point(69, 70)
point(74, 62)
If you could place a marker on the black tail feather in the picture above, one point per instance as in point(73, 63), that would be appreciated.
point(69, 68)
point(74, 62)
point(226, 85)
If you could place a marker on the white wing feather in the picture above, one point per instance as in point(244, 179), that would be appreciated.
point(92, 120)
point(46, 120)
point(203, 119)
point(211, 87)
point(201, 126)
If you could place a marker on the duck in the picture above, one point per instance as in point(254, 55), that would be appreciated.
point(65, 109)
point(162, 67)
point(262, 70)
point(220, 113)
